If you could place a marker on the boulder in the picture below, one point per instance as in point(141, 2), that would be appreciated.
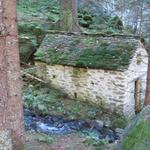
point(27, 46)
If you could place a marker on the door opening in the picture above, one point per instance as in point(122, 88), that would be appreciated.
point(137, 96)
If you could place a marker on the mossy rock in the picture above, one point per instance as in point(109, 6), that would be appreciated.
point(31, 28)
point(87, 17)
point(84, 23)
point(26, 27)
point(116, 23)
point(27, 47)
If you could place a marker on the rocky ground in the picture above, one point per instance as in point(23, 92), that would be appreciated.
point(36, 141)
point(69, 142)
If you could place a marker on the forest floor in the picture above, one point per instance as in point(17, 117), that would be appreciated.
point(138, 139)
point(43, 100)
point(37, 141)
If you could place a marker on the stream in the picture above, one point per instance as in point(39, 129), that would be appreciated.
point(58, 125)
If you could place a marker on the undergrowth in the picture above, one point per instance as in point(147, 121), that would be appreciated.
point(45, 101)
point(139, 138)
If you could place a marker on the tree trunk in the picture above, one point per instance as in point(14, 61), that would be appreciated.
point(11, 108)
point(141, 17)
point(147, 98)
point(68, 15)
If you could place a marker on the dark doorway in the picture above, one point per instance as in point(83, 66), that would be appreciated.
point(75, 95)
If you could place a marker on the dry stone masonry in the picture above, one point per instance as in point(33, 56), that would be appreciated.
point(97, 80)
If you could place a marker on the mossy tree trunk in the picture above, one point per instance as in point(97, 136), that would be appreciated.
point(11, 108)
point(68, 15)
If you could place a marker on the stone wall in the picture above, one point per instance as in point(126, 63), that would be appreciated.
point(111, 90)
point(102, 87)
point(136, 71)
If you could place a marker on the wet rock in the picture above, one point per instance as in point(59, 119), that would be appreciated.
point(94, 134)
point(57, 119)
point(28, 113)
point(99, 125)
point(107, 122)
point(30, 123)
point(110, 137)
point(41, 127)
point(58, 125)
point(74, 125)
point(81, 123)
point(30, 120)
point(119, 132)
point(49, 120)
point(89, 124)
point(91, 114)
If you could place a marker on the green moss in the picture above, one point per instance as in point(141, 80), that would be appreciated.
point(97, 59)
point(85, 19)
point(52, 17)
point(119, 122)
point(76, 72)
point(32, 28)
point(40, 55)
point(28, 7)
point(27, 46)
point(138, 138)
point(86, 52)
point(116, 23)
point(55, 10)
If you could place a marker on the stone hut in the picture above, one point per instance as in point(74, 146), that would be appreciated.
point(109, 71)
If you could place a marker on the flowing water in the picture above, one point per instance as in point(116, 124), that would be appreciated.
point(58, 125)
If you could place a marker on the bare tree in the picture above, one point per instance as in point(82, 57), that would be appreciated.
point(11, 110)
point(135, 13)
point(68, 15)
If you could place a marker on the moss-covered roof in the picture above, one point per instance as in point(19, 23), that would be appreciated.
point(98, 52)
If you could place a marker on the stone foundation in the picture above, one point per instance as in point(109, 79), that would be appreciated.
point(102, 87)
